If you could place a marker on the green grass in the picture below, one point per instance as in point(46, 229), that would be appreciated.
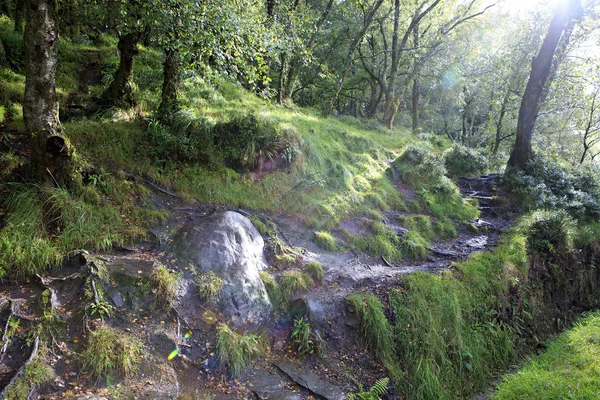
point(567, 369)
point(36, 373)
point(209, 285)
point(294, 282)
point(376, 331)
point(276, 296)
point(110, 353)
point(165, 285)
point(235, 351)
point(315, 270)
point(326, 241)
point(44, 223)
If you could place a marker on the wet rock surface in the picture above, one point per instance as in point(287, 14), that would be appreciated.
point(311, 381)
point(229, 245)
point(271, 387)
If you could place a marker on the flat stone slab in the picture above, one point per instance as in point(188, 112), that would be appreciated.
point(311, 381)
point(270, 387)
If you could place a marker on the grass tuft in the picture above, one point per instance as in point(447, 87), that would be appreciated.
point(236, 350)
point(315, 270)
point(209, 285)
point(165, 285)
point(326, 241)
point(295, 281)
point(110, 352)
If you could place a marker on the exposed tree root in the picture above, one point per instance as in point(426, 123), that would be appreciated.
point(20, 371)
point(5, 337)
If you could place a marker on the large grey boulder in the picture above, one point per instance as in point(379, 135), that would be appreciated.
point(229, 245)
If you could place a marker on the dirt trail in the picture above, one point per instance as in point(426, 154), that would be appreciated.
point(277, 375)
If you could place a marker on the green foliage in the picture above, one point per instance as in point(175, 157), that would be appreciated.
point(315, 270)
point(465, 161)
point(418, 223)
point(109, 352)
point(413, 245)
point(209, 285)
point(425, 173)
point(549, 232)
point(375, 329)
point(245, 139)
point(276, 296)
point(444, 228)
point(13, 45)
point(567, 369)
point(295, 281)
point(165, 285)
point(552, 187)
point(449, 327)
point(235, 350)
point(325, 240)
point(36, 374)
point(378, 389)
point(304, 340)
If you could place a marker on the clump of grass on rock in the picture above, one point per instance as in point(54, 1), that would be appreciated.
point(110, 352)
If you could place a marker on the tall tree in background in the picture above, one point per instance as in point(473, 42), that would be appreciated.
point(51, 154)
point(541, 69)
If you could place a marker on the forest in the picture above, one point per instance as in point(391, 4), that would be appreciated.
point(299, 199)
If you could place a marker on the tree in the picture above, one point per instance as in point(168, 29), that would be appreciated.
point(541, 68)
point(51, 152)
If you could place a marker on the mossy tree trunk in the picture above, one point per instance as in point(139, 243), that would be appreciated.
point(51, 153)
point(170, 88)
point(120, 93)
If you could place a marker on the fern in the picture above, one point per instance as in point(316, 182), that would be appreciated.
point(379, 388)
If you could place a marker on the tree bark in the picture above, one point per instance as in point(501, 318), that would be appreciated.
point(51, 152)
point(415, 88)
point(121, 90)
point(170, 89)
point(540, 69)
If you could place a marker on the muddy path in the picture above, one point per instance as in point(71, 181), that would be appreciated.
point(278, 373)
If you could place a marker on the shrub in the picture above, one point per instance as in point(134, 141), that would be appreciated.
point(325, 240)
point(110, 352)
point(465, 161)
point(209, 285)
point(548, 231)
point(315, 270)
point(549, 186)
point(235, 350)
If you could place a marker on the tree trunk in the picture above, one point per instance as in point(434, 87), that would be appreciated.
point(121, 90)
point(348, 64)
point(19, 15)
point(415, 104)
point(500, 122)
point(51, 153)
point(540, 69)
point(170, 89)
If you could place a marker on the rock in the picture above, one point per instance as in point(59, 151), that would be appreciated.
point(117, 299)
point(230, 246)
point(478, 242)
point(311, 381)
point(271, 387)
point(307, 308)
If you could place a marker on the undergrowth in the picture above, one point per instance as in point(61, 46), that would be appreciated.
point(110, 352)
point(567, 369)
point(235, 351)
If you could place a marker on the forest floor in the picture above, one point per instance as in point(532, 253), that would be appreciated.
point(344, 365)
